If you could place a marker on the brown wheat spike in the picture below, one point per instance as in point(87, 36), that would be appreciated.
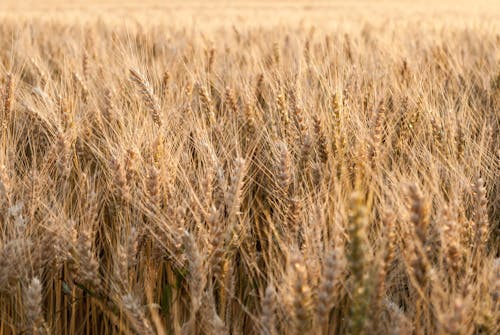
point(132, 247)
point(109, 107)
point(233, 196)
point(207, 189)
point(301, 295)
point(188, 91)
point(210, 58)
point(337, 115)
point(120, 267)
point(321, 141)
point(228, 292)
point(276, 53)
point(5, 189)
point(283, 169)
point(158, 149)
point(250, 122)
point(35, 322)
point(212, 323)
point(378, 123)
point(165, 82)
point(481, 219)
point(418, 250)
point(357, 258)
point(495, 282)
point(130, 166)
point(147, 94)
point(196, 282)
point(63, 155)
point(153, 186)
point(300, 122)
point(83, 86)
point(88, 265)
point(282, 111)
point(120, 179)
point(460, 141)
point(206, 103)
point(380, 288)
point(438, 134)
point(336, 111)
point(294, 218)
point(135, 315)
point(65, 113)
point(305, 151)
point(451, 242)
point(92, 204)
point(221, 187)
point(358, 223)
point(419, 264)
point(259, 90)
point(8, 95)
point(384, 263)
point(307, 52)
point(13, 256)
point(326, 293)
point(55, 249)
point(317, 174)
point(85, 66)
point(345, 95)
point(391, 238)
point(231, 101)
point(217, 242)
point(268, 317)
point(419, 215)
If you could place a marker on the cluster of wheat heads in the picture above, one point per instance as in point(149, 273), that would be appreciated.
point(163, 180)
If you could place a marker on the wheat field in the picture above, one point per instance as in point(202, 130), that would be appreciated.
point(249, 167)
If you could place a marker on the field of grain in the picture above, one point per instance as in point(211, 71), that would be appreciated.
point(249, 167)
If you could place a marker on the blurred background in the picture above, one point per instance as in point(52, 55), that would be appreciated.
point(262, 11)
